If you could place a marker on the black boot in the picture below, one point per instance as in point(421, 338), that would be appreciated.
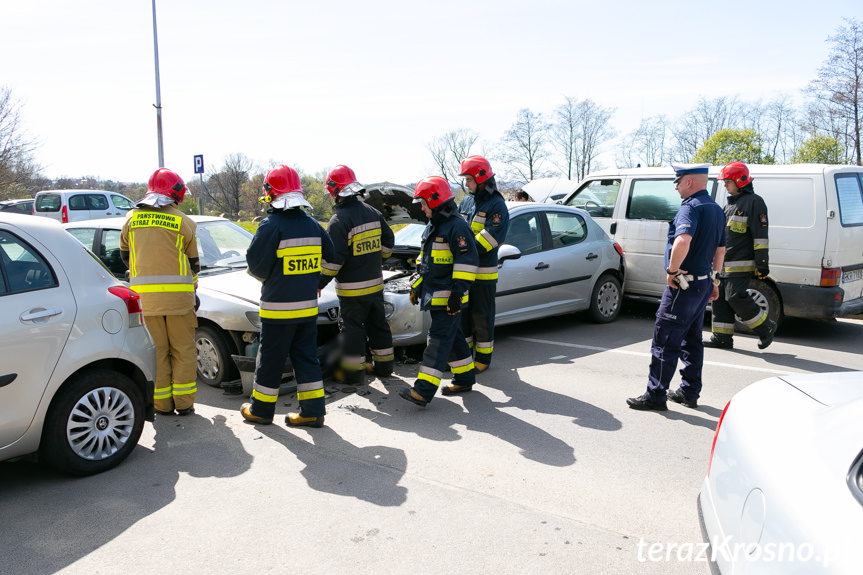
point(766, 336)
point(719, 342)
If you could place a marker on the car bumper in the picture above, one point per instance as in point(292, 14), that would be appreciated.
point(709, 524)
point(814, 302)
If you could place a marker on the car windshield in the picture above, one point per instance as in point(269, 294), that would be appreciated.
point(222, 246)
point(410, 235)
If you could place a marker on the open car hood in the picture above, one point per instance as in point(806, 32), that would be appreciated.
point(395, 202)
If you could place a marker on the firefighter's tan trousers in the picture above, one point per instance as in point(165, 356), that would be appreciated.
point(176, 361)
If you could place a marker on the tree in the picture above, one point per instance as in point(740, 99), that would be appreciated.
point(698, 124)
point(732, 145)
point(579, 130)
point(819, 150)
point(225, 192)
point(522, 147)
point(838, 89)
point(449, 150)
point(18, 168)
point(647, 146)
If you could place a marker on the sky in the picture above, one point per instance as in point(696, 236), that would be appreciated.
point(370, 84)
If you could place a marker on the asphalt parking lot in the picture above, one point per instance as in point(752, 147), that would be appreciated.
point(542, 469)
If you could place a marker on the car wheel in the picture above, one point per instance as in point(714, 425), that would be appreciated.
point(605, 299)
point(94, 423)
point(215, 365)
point(767, 299)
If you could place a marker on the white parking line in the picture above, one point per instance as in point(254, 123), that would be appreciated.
point(643, 354)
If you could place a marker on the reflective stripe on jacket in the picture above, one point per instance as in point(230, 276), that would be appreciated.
point(488, 216)
point(747, 245)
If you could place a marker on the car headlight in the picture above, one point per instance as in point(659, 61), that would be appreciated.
point(389, 310)
point(254, 318)
point(401, 285)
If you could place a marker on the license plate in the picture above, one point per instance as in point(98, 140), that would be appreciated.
point(852, 276)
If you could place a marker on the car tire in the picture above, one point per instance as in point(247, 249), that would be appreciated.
point(767, 298)
point(94, 422)
point(213, 357)
point(606, 299)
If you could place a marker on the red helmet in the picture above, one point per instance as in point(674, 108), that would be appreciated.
point(476, 166)
point(168, 183)
point(279, 182)
point(736, 171)
point(340, 180)
point(434, 190)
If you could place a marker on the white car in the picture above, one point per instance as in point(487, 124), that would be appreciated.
point(78, 365)
point(784, 487)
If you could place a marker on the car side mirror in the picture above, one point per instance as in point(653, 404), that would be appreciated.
point(507, 252)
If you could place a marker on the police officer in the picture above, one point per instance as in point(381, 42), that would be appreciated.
point(157, 244)
point(485, 210)
point(362, 240)
point(747, 254)
point(693, 258)
point(285, 255)
point(447, 267)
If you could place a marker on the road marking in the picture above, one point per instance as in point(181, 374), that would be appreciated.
point(643, 354)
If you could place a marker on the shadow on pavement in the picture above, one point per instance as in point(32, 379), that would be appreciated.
point(88, 512)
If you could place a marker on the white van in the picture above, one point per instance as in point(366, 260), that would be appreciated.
point(78, 205)
point(816, 232)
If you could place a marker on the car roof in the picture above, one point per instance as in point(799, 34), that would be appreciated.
point(16, 201)
point(118, 222)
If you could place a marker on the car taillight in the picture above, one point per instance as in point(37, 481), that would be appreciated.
point(715, 435)
point(618, 249)
point(831, 277)
point(133, 304)
point(64, 215)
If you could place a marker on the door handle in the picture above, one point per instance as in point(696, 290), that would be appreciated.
point(7, 379)
point(541, 266)
point(591, 256)
point(41, 314)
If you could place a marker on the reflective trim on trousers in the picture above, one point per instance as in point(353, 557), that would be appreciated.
point(723, 328)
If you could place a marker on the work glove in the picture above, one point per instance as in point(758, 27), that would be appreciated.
point(761, 272)
point(453, 304)
point(414, 297)
point(197, 302)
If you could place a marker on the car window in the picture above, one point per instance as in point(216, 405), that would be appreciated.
point(222, 243)
point(47, 203)
point(597, 197)
point(850, 192)
point(78, 202)
point(566, 229)
point(23, 268)
point(653, 200)
point(109, 252)
point(121, 202)
point(84, 235)
point(97, 201)
point(525, 233)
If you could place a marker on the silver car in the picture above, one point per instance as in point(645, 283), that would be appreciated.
point(78, 365)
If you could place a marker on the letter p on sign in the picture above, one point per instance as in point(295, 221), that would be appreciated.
point(199, 164)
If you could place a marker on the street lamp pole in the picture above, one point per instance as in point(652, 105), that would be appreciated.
point(158, 91)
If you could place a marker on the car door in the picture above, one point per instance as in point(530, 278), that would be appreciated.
point(573, 259)
point(99, 206)
point(121, 204)
point(38, 309)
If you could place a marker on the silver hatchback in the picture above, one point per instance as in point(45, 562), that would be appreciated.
point(78, 364)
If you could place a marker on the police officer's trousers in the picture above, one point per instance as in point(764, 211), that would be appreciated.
point(361, 317)
point(677, 335)
point(176, 359)
point(446, 344)
point(278, 342)
point(734, 299)
point(478, 320)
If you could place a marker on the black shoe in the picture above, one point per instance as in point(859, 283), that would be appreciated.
point(718, 343)
point(453, 389)
point(767, 338)
point(187, 411)
point(644, 403)
point(160, 412)
point(677, 397)
point(411, 395)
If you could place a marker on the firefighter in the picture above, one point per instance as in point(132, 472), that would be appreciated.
point(362, 240)
point(747, 255)
point(485, 211)
point(157, 244)
point(285, 255)
point(447, 268)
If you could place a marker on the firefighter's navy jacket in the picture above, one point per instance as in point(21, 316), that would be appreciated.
point(362, 240)
point(746, 223)
point(448, 261)
point(486, 213)
point(286, 255)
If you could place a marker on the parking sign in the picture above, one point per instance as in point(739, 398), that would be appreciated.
point(199, 164)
